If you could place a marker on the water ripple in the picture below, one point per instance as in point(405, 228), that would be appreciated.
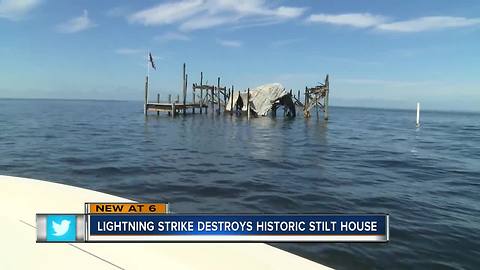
point(361, 161)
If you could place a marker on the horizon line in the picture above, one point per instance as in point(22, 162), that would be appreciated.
point(338, 106)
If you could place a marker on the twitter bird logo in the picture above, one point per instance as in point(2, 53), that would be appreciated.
point(61, 228)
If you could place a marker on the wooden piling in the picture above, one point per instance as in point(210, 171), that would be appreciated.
point(225, 103)
point(231, 102)
point(306, 111)
point(306, 95)
point(193, 98)
point(284, 107)
point(158, 101)
point(248, 104)
point(212, 99)
point(225, 99)
point(236, 105)
point(184, 87)
point(173, 109)
point(146, 96)
point(185, 95)
point(201, 92)
point(218, 94)
point(325, 110)
point(169, 101)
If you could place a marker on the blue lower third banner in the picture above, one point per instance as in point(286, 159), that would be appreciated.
point(237, 228)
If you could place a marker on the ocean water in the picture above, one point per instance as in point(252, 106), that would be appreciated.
point(361, 161)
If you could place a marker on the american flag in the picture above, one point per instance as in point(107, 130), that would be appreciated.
point(151, 60)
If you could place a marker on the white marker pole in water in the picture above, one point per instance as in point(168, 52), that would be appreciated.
point(418, 114)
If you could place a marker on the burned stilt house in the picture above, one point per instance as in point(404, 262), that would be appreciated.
point(262, 100)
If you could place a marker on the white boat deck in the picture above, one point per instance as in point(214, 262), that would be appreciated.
point(22, 198)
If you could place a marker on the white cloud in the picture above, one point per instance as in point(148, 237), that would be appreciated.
point(201, 14)
point(285, 42)
point(367, 20)
point(360, 20)
point(76, 24)
point(428, 23)
point(172, 36)
point(119, 11)
point(203, 23)
point(16, 9)
point(289, 12)
point(167, 13)
point(129, 51)
point(230, 43)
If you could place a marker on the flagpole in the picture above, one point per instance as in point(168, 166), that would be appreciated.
point(148, 69)
point(148, 64)
point(146, 87)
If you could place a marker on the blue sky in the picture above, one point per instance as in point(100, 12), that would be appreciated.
point(378, 53)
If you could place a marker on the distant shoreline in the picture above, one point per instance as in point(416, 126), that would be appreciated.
point(335, 106)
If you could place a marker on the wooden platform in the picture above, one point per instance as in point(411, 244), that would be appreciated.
point(172, 107)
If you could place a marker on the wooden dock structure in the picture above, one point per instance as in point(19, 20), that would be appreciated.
point(213, 95)
point(173, 108)
point(214, 98)
point(317, 98)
